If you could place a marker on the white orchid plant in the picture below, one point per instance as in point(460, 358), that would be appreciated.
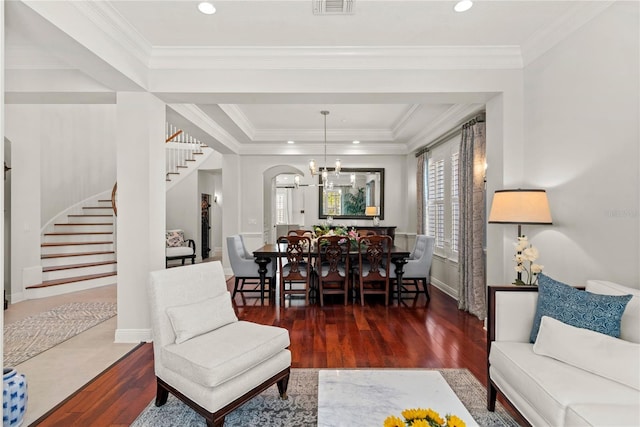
point(526, 254)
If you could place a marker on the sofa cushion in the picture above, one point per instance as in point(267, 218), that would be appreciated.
point(174, 238)
point(597, 353)
point(217, 356)
point(191, 320)
point(552, 386)
point(600, 313)
point(593, 414)
point(630, 323)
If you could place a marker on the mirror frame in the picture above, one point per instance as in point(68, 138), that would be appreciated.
point(349, 170)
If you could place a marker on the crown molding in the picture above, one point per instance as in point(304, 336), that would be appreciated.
point(443, 124)
point(330, 57)
point(314, 135)
point(225, 143)
point(316, 150)
point(238, 117)
point(571, 20)
point(111, 22)
point(402, 121)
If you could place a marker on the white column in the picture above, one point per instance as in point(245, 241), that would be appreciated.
point(231, 199)
point(141, 208)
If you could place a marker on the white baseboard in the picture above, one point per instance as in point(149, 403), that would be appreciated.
point(133, 335)
point(453, 293)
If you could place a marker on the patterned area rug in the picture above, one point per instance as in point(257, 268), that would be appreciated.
point(31, 336)
point(300, 410)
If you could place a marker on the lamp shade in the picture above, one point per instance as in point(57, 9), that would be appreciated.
point(520, 207)
point(371, 211)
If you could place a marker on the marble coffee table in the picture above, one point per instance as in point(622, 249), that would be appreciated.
point(354, 397)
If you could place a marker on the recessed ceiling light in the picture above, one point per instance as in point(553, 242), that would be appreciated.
point(356, 142)
point(463, 5)
point(206, 8)
point(291, 142)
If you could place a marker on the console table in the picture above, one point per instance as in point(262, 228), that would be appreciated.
point(383, 230)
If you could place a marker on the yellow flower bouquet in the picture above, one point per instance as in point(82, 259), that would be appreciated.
point(420, 417)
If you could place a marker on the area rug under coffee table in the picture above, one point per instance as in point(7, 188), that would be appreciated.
point(301, 409)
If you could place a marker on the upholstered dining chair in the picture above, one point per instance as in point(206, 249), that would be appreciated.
point(245, 268)
point(372, 272)
point(417, 269)
point(332, 266)
point(203, 354)
point(294, 262)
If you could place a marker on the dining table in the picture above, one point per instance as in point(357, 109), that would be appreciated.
point(269, 252)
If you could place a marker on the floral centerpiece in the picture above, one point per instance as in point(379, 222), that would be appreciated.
point(420, 417)
point(326, 230)
point(525, 256)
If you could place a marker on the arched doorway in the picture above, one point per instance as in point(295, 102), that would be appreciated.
point(269, 197)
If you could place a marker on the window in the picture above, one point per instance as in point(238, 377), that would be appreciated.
point(333, 202)
point(283, 208)
point(455, 206)
point(442, 207)
point(436, 202)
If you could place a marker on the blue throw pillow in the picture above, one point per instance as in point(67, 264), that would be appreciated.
point(582, 309)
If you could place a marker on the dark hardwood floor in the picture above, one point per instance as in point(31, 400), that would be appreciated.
point(413, 335)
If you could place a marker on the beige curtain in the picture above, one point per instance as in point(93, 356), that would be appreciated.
point(421, 203)
point(471, 262)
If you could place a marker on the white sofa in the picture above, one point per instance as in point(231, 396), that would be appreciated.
point(543, 382)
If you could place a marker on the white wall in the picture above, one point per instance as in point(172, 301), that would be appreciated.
point(582, 145)
point(251, 191)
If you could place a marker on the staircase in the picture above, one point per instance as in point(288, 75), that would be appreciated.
point(78, 252)
point(78, 249)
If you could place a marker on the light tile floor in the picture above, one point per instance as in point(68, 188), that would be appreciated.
point(55, 374)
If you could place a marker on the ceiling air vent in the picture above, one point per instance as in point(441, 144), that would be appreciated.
point(333, 7)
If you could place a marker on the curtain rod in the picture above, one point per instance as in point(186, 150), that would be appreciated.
point(455, 131)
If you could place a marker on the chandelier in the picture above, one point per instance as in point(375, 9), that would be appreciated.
point(312, 162)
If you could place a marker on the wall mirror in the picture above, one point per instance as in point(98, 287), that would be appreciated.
point(349, 194)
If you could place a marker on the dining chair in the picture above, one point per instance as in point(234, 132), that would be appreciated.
point(417, 269)
point(374, 259)
point(307, 233)
point(294, 261)
point(245, 268)
point(332, 266)
point(365, 233)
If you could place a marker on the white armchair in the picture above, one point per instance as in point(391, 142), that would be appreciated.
point(179, 248)
point(203, 354)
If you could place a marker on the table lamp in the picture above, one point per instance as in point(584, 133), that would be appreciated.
point(373, 212)
point(520, 207)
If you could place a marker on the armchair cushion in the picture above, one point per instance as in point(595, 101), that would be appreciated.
point(220, 355)
point(175, 238)
point(600, 313)
point(191, 320)
point(178, 251)
point(594, 352)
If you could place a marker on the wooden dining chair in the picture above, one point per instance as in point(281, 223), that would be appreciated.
point(365, 233)
point(307, 233)
point(294, 260)
point(372, 272)
point(332, 266)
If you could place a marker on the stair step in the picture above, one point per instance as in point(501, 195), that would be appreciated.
point(46, 245)
point(87, 237)
point(89, 216)
point(74, 266)
point(78, 233)
point(64, 255)
point(63, 224)
point(48, 283)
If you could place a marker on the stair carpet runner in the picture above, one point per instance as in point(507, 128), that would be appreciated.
point(80, 250)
